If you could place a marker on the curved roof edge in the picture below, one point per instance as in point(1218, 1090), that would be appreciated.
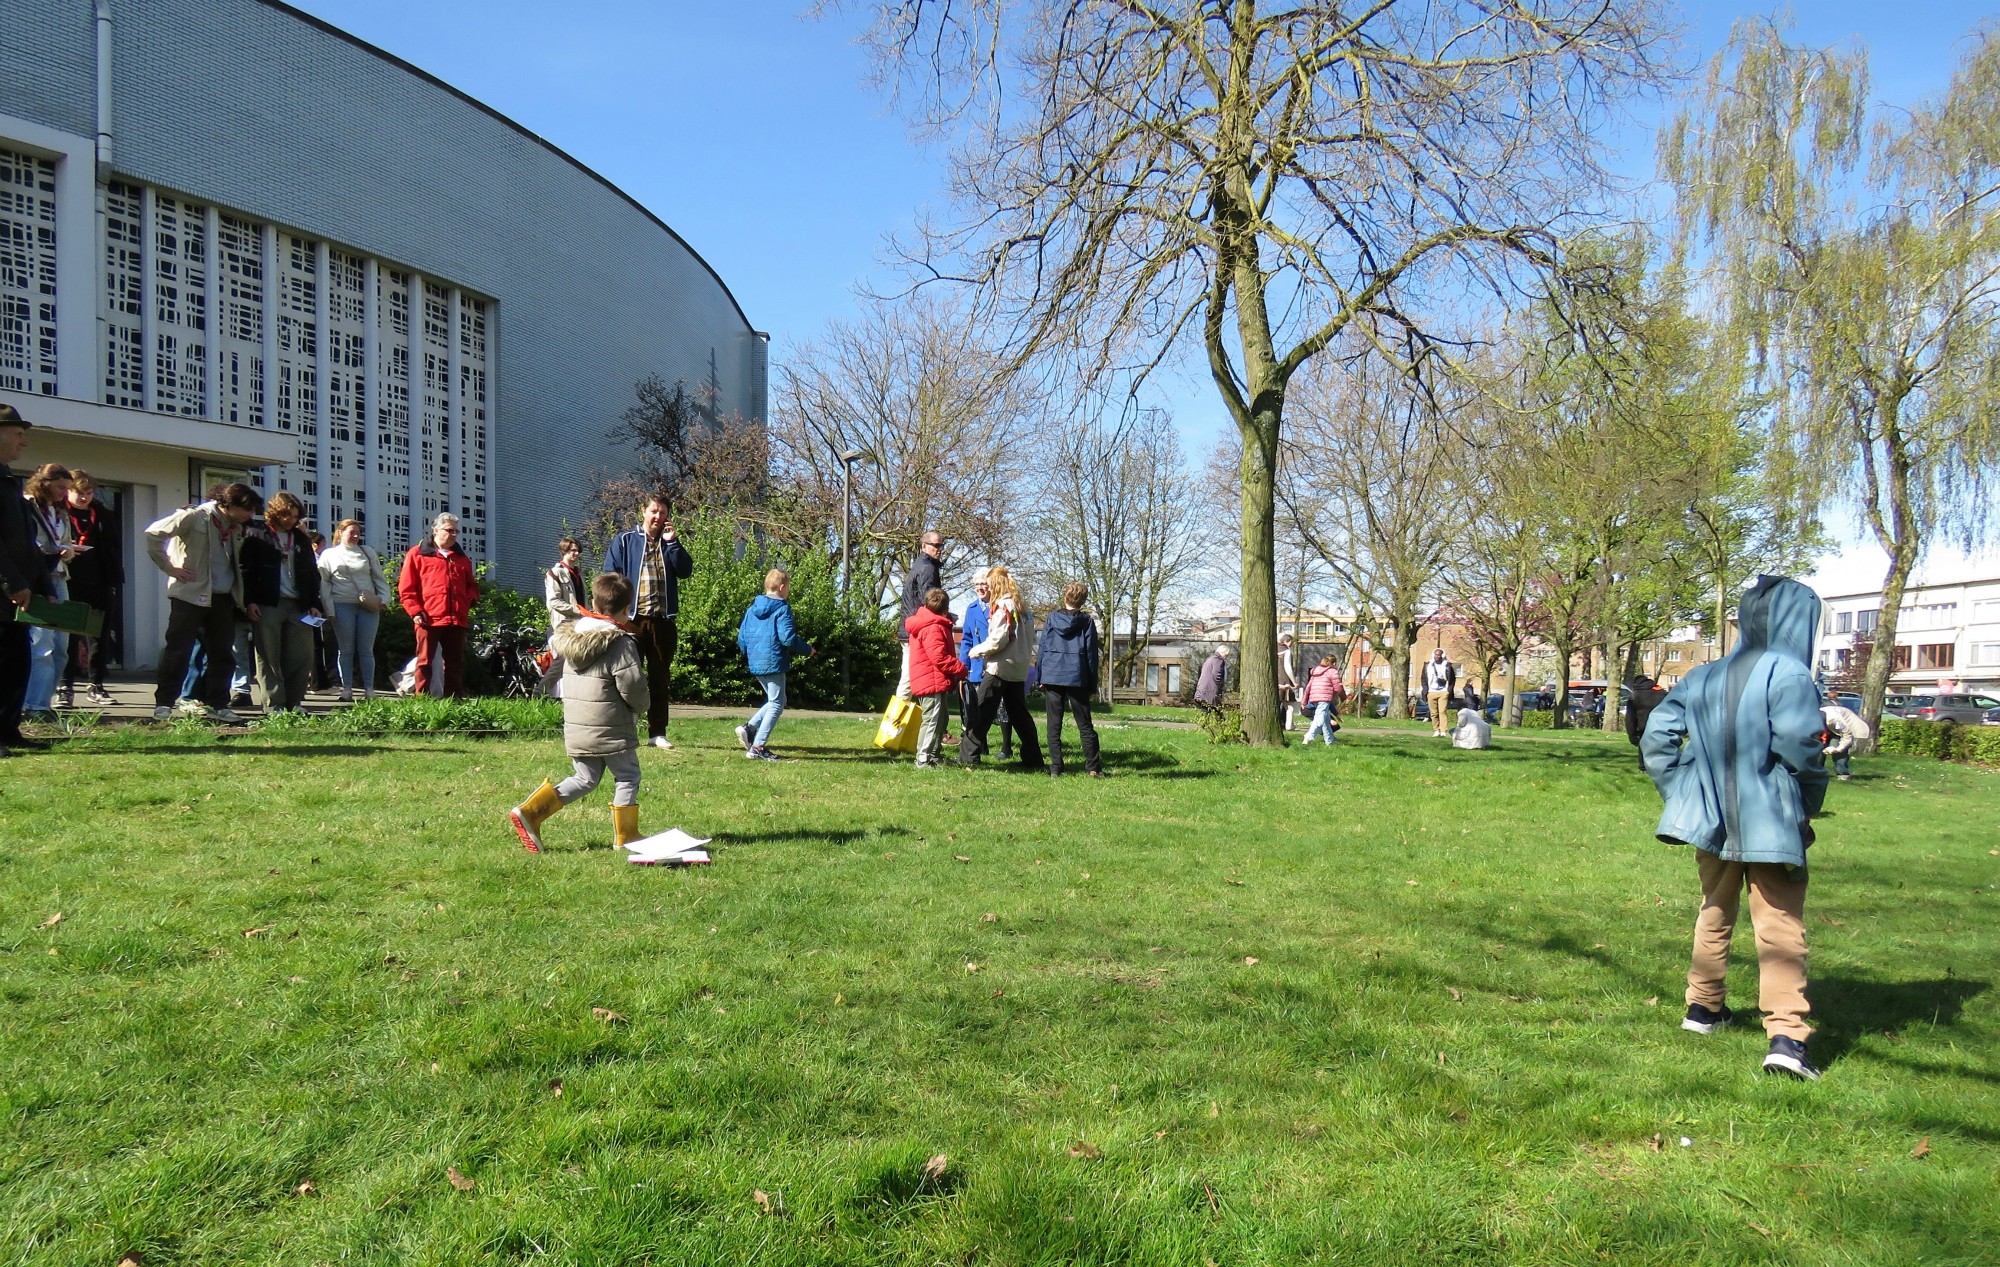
point(387, 56)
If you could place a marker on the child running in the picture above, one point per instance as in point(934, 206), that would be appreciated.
point(769, 638)
point(604, 692)
point(1323, 692)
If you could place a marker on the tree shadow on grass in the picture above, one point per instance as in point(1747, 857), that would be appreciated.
point(250, 747)
point(1852, 1006)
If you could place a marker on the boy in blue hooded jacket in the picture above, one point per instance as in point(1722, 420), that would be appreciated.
point(769, 638)
point(1735, 752)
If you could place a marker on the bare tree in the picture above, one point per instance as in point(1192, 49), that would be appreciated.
point(1368, 479)
point(937, 420)
point(1256, 183)
point(1116, 512)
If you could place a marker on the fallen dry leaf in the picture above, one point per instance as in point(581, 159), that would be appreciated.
point(1658, 1143)
point(972, 967)
point(52, 920)
point(298, 980)
point(252, 932)
point(1233, 880)
point(131, 1260)
point(457, 1180)
point(1758, 1228)
point(1214, 1109)
point(1654, 1001)
point(1923, 1148)
point(555, 1087)
point(1456, 997)
point(1440, 1057)
point(989, 918)
point(1249, 959)
point(1084, 1149)
point(608, 1016)
point(934, 1168)
point(772, 1203)
point(1411, 883)
point(959, 857)
point(305, 1189)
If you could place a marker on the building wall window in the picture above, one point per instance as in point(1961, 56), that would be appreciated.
point(1986, 654)
point(1929, 616)
point(1865, 621)
point(27, 274)
point(1843, 623)
point(1937, 655)
point(1986, 612)
point(268, 296)
point(1673, 655)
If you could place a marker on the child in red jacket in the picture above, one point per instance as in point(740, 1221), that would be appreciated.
point(934, 667)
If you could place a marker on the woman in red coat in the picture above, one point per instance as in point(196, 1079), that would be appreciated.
point(934, 667)
point(437, 588)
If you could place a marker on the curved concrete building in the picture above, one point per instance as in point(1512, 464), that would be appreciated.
point(236, 240)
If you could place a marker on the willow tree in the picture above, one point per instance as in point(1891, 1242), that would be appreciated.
point(1861, 265)
point(1256, 182)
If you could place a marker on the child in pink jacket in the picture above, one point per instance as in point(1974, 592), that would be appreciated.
point(1323, 692)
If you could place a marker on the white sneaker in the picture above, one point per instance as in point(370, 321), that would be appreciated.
point(163, 712)
point(660, 741)
point(743, 736)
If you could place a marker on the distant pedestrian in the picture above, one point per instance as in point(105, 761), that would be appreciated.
point(926, 574)
point(1323, 691)
point(602, 698)
point(55, 538)
point(653, 559)
point(567, 598)
point(438, 588)
point(281, 593)
point(96, 577)
point(1439, 680)
point(1844, 729)
point(933, 670)
point(352, 584)
point(768, 636)
point(1213, 681)
point(1735, 752)
point(1008, 650)
point(1068, 657)
point(972, 632)
point(198, 549)
point(23, 578)
point(1288, 677)
point(1646, 695)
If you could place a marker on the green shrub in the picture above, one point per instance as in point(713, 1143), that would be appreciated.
point(1942, 740)
point(1538, 719)
point(423, 714)
point(1221, 725)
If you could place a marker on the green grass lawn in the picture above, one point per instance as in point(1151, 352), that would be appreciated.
point(307, 1001)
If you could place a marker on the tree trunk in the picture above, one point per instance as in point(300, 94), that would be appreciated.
point(1400, 652)
point(1898, 536)
point(1510, 707)
point(1262, 725)
point(1565, 657)
point(1609, 651)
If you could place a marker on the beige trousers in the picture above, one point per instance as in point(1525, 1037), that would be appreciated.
point(1777, 917)
point(1440, 706)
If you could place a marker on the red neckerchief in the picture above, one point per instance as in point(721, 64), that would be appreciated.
point(616, 620)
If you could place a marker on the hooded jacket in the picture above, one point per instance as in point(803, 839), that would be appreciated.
point(1323, 684)
point(1735, 747)
point(603, 688)
point(769, 637)
point(933, 667)
point(1069, 650)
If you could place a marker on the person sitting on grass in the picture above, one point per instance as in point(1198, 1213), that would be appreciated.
point(1322, 699)
point(769, 638)
point(933, 669)
point(1735, 752)
point(604, 692)
point(1472, 731)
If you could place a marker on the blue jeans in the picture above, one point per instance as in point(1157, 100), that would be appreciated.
point(354, 630)
point(764, 719)
point(1322, 722)
point(49, 651)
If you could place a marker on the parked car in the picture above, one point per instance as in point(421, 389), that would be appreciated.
point(1991, 717)
point(1420, 708)
point(1966, 709)
point(1896, 701)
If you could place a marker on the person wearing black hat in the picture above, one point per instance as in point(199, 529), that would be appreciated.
point(24, 575)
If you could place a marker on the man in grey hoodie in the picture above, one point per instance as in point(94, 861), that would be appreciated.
point(1735, 752)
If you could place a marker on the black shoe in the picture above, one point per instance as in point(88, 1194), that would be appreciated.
point(241, 700)
point(28, 742)
point(1701, 1020)
point(1788, 1056)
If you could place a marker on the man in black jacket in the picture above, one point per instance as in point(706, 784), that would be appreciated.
point(24, 574)
point(926, 574)
point(1646, 696)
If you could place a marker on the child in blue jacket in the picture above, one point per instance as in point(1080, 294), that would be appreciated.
point(769, 638)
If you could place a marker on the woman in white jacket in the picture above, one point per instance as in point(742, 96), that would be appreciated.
point(353, 587)
point(1007, 654)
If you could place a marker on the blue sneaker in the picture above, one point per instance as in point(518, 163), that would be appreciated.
point(1701, 1020)
point(1788, 1056)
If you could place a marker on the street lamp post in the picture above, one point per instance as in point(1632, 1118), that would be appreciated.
point(847, 461)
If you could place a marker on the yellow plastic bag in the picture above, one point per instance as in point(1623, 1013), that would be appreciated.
point(897, 731)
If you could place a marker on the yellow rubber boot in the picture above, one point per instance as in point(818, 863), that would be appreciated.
point(530, 814)
point(624, 825)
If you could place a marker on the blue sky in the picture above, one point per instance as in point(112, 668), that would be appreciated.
point(754, 130)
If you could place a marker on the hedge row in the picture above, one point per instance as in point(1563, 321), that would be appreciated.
point(1945, 740)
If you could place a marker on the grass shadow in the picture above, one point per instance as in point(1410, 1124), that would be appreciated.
point(1854, 1006)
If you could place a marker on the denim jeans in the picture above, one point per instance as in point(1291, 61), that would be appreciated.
point(764, 719)
point(49, 651)
point(354, 629)
point(1322, 722)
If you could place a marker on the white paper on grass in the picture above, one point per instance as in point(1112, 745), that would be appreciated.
point(671, 841)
